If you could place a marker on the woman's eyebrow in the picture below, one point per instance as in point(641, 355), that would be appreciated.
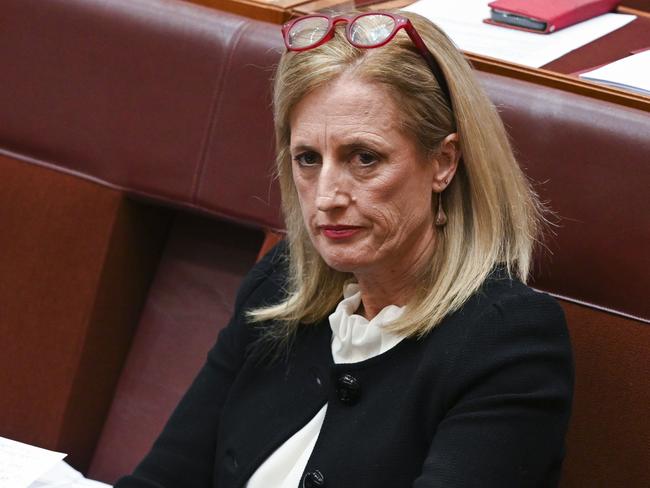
point(301, 148)
point(359, 142)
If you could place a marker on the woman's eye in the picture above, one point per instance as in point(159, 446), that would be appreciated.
point(365, 158)
point(308, 158)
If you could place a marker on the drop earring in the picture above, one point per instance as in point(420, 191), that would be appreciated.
point(441, 216)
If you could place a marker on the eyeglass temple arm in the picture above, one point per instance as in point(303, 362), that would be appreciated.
point(433, 64)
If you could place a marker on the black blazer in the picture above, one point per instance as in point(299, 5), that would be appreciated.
point(481, 401)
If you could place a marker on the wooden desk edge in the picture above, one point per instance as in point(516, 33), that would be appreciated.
point(561, 81)
point(633, 11)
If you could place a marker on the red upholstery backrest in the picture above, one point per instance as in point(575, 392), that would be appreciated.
point(162, 98)
point(589, 161)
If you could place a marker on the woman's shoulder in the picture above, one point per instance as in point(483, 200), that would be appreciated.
point(505, 296)
point(509, 298)
point(506, 311)
point(507, 336)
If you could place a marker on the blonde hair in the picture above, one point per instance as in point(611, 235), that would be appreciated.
point(493, 214)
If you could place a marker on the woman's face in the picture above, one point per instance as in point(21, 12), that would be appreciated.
point(365, 189)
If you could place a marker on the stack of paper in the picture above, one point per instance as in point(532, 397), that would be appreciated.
point(63, 475)
point(631, 73)
point(21, 464)
point(462, 21)
point(25, 466)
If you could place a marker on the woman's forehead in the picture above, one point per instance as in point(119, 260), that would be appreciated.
point(347, 104)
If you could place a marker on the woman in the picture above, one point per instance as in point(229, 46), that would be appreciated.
point(390, 342)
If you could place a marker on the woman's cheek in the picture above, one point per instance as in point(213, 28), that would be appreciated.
point(386, 222)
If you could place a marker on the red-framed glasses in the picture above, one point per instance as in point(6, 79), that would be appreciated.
point(365, 30)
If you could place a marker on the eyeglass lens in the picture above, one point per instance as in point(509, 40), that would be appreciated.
point(371, 30)
point(307, 32)
point(365, 31)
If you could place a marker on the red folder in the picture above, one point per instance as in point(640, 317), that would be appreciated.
point(556, 14)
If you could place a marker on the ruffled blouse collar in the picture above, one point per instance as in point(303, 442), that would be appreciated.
point(355, 338)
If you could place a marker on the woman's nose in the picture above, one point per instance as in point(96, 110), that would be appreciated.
point(332, 192)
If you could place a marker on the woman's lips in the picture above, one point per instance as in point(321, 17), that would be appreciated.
point(338, 231)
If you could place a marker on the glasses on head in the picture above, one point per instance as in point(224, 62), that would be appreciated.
point(365, 31)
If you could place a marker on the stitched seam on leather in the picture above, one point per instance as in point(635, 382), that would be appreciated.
point(215, 109)
point(594, 306)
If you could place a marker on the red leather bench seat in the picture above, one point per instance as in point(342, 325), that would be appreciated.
point(112, 116)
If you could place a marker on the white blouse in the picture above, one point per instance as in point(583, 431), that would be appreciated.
point(354, 339)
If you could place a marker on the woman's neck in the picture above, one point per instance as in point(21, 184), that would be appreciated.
point(394, 285)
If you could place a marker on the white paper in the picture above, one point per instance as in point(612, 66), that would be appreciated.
point(62, 475)
point(21, 464)
point(631, 73)
point(462, 21)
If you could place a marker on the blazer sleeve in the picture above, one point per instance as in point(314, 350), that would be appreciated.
point(510, 390)
point(183, 455)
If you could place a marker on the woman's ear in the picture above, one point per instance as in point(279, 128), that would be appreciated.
point(446, 162)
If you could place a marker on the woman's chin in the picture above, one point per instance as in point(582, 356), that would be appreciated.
point(343, 264)
point(343, 256)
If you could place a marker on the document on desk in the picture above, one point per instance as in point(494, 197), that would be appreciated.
point(462, 21)
point(21, 464)
point(631, 73)
point(62, 475)
point(25, 466)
